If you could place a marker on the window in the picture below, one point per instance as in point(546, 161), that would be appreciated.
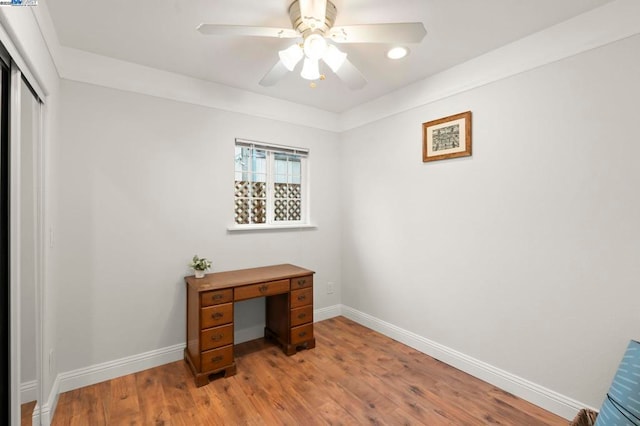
point(270, 184)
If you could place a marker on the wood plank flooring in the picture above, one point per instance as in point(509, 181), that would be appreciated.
point(26, 413)
point(353, 376)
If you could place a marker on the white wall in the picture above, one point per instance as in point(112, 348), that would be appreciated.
point(146, 183)
point(525, 255)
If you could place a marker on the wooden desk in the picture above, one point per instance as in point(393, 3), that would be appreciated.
point(289, 314)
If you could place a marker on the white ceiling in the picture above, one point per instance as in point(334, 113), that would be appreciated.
point(161, 34)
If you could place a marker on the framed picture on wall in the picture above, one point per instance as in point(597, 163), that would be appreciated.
point(448, 137)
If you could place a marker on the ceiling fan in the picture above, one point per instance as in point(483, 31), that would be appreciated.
point(313, 20)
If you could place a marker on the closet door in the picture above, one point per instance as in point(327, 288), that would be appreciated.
point(22, 248)
point(30, 377)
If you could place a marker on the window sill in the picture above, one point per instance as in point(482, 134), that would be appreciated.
point(241, 228)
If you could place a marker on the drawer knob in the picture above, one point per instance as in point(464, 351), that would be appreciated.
point(217, 337)
point(263, 288)
point(302, 334)
point(301, 282)
point(302, 297)
point(216, 359)
point(218, 296)
point(217, 315)
point(302, 315)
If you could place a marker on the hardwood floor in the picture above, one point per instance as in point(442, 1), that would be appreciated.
point(26, 413)
point(353, 376)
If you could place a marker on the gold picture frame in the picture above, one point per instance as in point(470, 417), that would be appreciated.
point(448, 137)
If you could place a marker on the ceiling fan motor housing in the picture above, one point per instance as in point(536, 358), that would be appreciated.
point(303, 26)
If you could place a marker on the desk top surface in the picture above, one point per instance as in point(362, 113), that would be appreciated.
point(227, 279)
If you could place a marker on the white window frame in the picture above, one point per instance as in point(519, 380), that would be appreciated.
point(271, 223)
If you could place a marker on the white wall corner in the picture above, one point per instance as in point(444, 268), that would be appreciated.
point(601, 26)
point(546, 398)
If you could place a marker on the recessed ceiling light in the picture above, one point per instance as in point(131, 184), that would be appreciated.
point(397, 52)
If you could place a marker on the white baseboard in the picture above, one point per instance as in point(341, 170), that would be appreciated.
point(108, 370)
point(28, 391)
point(120, 367)
point(546, 398)
point(326, 313)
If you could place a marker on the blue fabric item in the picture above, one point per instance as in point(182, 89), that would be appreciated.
point(621, 407)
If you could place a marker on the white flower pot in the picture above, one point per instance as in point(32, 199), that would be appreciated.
point(199, 274)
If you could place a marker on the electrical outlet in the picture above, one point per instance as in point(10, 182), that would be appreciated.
point(330, 287)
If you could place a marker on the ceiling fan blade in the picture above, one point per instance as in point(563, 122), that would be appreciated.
point(407, 32)
point(274, 75)
point(350, 75)
point(313, 12)
point(243, 30)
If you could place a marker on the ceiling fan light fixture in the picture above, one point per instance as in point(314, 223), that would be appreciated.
point(291, 56)
point(398, 52)
point(315, 46)
point(334, 57)
point(310, 70)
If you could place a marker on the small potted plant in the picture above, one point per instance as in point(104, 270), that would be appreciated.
point(200, 265)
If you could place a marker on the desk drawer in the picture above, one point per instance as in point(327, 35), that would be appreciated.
point(301, 315)
point(302, 282)
point(216, 315)
point(216, 297)
point(301, 297)
point(216, 337)
point(262, 289)
point(301, 334)
point(217, 358)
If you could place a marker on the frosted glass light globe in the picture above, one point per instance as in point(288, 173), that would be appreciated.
point(315, 46)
